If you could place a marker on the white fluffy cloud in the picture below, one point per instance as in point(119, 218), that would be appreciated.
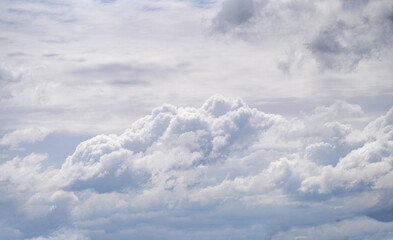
point(28, 135)
point(222, 167)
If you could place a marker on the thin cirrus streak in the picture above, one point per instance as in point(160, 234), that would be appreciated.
point(224, 169)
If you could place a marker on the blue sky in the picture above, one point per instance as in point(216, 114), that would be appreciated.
point(169, 119)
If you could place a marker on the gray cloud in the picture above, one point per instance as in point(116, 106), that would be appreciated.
point(344, 43)
point(50, 55)
point(16, 54)
point(339, 35)
point(234, 13)
point(128, 74)
point(262, 19)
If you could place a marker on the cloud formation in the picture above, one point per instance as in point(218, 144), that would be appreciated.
point(222, 168)
point(338, 35)
point(318, 167)
point(29, 135)
point(362, 31)
point(234, 13)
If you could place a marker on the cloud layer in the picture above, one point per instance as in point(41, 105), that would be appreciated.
point(222, 170)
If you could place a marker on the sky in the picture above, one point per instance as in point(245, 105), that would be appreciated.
point(196, 119)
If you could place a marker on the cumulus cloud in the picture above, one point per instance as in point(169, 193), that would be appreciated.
point(180, 169)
